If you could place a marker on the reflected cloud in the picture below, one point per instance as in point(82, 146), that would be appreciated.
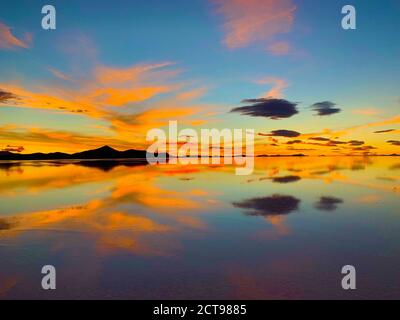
point(10, 167)
point(395, 166)
point(369, 199)
point(328, 203)
point(4, 225)
point(108, 165)
point(7, 283)
point(116, 216)
point(101, 212)
point(269, 206)
point(136, 208)
point(286, 179)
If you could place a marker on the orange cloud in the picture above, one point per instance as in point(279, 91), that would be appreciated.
point(390, 121)
point(107, 87)
point(278, 86)
point(191, 95)
point(62, 100)
point(9, 41)
point(43, 140)
point(92, 97)
point(367, 112)
point(248, 21)
point(117, 97)
point(107, 75)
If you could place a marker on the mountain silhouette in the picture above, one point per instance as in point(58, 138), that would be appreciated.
point(107, 152)
point(104, 152)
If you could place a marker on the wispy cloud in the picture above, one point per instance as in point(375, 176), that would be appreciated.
point(279, 48)
point(60, 75)
point(278, 86)
point(13, 148)
point(284, 133)
point(385, 131)
point(394, 142)
point(106, 87)
point(10, 41)
point(248, 21)
point(367, 112)
point(7, 97)
point(111, 95)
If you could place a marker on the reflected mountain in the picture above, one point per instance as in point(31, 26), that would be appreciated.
point(328, 203)
point(8, 165)
point(4, 225)
point(108, 165)
point(274, 205)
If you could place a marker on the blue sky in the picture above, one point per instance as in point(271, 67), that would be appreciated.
point(357, 69)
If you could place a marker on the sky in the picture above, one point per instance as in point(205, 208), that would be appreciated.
point(113, 70)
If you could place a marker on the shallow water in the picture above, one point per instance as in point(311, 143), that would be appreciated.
point(201, 232)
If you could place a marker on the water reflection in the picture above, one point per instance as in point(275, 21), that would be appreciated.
point(328, 203)
point(269, 206)
point(286, 179)
point(129, 230)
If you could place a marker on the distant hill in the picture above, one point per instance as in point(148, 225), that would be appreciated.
point(105, 152)
point(281, 155)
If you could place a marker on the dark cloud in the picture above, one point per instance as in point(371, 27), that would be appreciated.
point(320, 139)
point(394, 142)
point(284, 133)
point(335, 142)
point(268, 108)
point(14, 149)
point(356, 143)
point(294, 142)
point(299, 149)
point(269, 206)
point(364, 148)
point(329, 143)
point(325, 108)
point(286, 179)
point(7, 96)
point(328, 203)
point(384, 131)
